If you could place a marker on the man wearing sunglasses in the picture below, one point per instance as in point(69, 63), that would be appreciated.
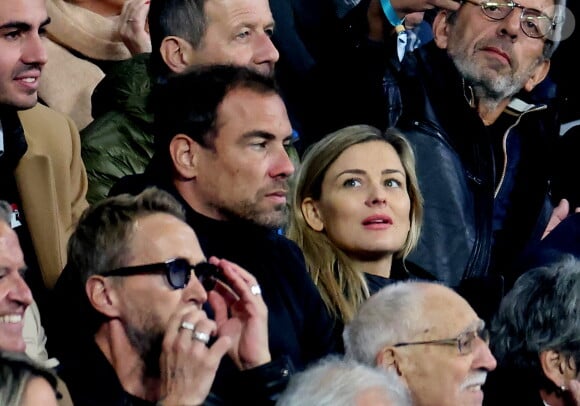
point(428, 335)
point(221, 150)
point(473, 110)
point(143, 338)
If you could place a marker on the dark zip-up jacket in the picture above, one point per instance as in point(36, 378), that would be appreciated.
point(479, 215)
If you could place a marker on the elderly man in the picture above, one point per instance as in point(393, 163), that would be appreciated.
point(183, 33)
point(221, 150)
point(427, 334)
point(143, 277)
point(333, 381)
point(535, 338)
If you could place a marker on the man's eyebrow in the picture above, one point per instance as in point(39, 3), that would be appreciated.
point(16, 24)
point(22, 270)
point(22, 26)
point(259, 134)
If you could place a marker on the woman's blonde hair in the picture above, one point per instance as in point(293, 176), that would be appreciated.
point(342, 287)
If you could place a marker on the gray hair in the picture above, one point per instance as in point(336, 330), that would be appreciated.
point(333, 381)
point(540, 313)
point(16, 371)
point(389, 316)
point(5, 212)
point(559, 32)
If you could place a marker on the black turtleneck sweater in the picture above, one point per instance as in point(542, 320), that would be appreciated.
point(299, 325)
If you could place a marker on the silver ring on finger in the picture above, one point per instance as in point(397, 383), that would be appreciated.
point(131, 20)
point(186, 325)
point(255, 290)
point(200, 336)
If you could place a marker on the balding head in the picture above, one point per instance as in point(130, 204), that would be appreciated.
point(415, 328)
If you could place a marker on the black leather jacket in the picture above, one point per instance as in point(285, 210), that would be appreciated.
point(479, 217)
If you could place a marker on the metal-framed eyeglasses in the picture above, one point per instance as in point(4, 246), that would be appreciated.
point(533, 23)
point(463, 342)
point(177, 271)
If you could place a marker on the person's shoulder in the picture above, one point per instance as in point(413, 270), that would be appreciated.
point(41, 114)
point(285, 244)
point(132, 184)
point(48, 129)
point(125, 88)
point(112, 128)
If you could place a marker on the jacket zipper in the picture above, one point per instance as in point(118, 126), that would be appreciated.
point(504, 146)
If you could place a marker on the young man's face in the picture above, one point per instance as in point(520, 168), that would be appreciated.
point(15, 296)
point(245, 175)
point(22, 52)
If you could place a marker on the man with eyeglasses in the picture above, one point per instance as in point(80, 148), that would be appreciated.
point(482, 134)
point(141, 336)
point(428, 335)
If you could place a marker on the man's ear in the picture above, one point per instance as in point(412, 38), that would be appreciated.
point(177, 53)
point(441, 29)
point(101, 296)
point(540, 72)
point(184, 153)
point(555, 367)
point(312, 214)
point(387, 359)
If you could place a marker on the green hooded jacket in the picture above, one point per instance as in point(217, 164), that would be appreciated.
point(119, 141)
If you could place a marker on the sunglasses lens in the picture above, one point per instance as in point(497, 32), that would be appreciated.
point(179, 273)
point(207, 273)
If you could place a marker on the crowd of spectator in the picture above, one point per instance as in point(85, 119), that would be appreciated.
point(289, 202)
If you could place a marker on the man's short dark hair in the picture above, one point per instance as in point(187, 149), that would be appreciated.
point(188, 104)
point(180, 18)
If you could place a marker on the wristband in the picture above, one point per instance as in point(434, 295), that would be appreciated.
point(391, 14)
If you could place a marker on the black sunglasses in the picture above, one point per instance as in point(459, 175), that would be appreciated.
point(177, 271)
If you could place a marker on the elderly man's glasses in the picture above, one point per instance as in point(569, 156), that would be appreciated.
point(533, 23)
point(177, 271)
point(463, 342)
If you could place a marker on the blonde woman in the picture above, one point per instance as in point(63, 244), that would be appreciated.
point(356, 213)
